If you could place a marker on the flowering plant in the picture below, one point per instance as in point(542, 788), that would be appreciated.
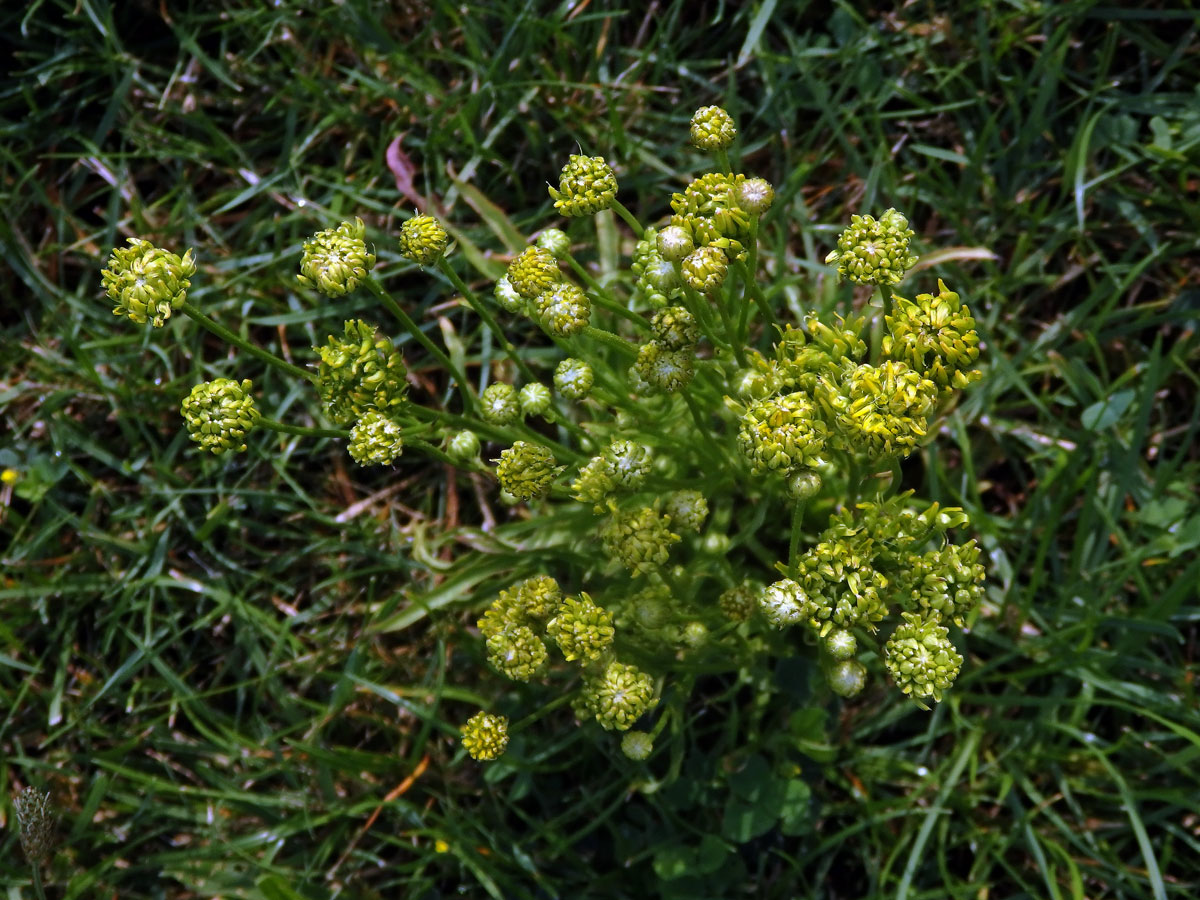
point(738, 473)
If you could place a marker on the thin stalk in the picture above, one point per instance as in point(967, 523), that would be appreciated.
point(604, 298)
point(629, 218)
point(698, 307)
point(421, 338)
point(258, 352)
point(881, 310)
point(302, 431)
point(482, 311)
point(722, 160)
point(37, 881)
point(734, 343)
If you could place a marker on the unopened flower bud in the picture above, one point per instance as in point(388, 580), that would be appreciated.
point(508, 298)
point(687, 510)
point(219, 414)
point(498, 404)
point(573, 378)
point(555, 241)
point(847, 677)
point(705, 269)
point(35, 821)
point(534, 399)
point(147, 283)
point(675, 328)
point(423, 240)
point(463, 447)
point(712, 129)
point(336, 260)
point(874, 252)
point(564, 310)
point(526, 470)
point(485, 736)
point(533, 272)
point(755, 195)
point(586, 186)
point(674, 243)
point(841, 644)
point(581, 629)
point(637, 745)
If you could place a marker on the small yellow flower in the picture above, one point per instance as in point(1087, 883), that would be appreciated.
point(10, 476)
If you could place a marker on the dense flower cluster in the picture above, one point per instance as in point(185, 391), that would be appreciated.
point(359, 372)
point(219, 414)
point(336, 260)
point(147, 283)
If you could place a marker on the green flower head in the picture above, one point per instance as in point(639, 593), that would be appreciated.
point(508, 298)
point(675, 328)
point(463, 447)
point(740, 602)
point(755, 195)
point(920, 657)
point(847, 677)
point(620, 696)
point(219, 414)
point(564, 310)
point(573, 378)
point(663, 369)
point(637, 745)
point(874, 252)
point(499, 404)
point(880, 410)
point(629, 462)
point(147, 283)
point(784, 603)
point(375, 440)
point(516, 652)
point(534, 399)
point(555, 241)
point(687, 510)
point(581, 629)
point(841, 644)
point(675, 243)
point(594, 483)
point(640, 539)
point(533, 272)
point(586, 186)
point(538, 597)
point(359, 372)
point(336, 260)
point(423, 240)
point(526, 470)
point(712, 129)
point(485, 736)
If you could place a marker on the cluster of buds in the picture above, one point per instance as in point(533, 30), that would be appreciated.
point(874, 251)
point(586, 186)
point(423, 240)
point(526, 470)
point(375, 440)
point(485, 736)
point(359, 372)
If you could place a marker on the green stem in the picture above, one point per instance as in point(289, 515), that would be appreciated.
point(37, 881)
point(483, 313)
point(734, 343)
point(604, 298)
point(794, 541)
point(629, 218)
point(423, 339)
point(698, 307)
point(722, 160)
point(607, 337)
point(755, 292)
point(258, 352)
point(879, 313)
point(302, 431)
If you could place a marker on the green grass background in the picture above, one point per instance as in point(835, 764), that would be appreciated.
point(190, 657)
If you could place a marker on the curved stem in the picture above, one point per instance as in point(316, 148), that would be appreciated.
point(236, 340)
point(421, 338)
point(629, 218)
point(794, 540)
point(482, 311)
point(610, 339)
point(755, 292)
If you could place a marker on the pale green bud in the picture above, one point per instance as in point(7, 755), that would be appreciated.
point(665, 370)
point(463, 447)
point(841, 644)
point(847, 677)
point(499, 405)
point(535, 399)
point(675, 328)
point(675, 243)
point(639, 539)
point(555, 241)
point(784, 603)
point(508, 298)
point(755, 195)
point(629, 463)
point(637, 745)
point(573, 378)
point(687, 510)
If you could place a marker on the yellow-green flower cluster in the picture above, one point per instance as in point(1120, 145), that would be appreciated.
point(564, 309)
point(640, 539)
point(712, 128)
point(880, 410)
point(705, 268)
point(619, 696)
point(526, 470)
point(935, 335)
point(594, 483)
point(874, 251)
point(534, 271)
point(360, 372)
point(375, 440)
point(527, 602)
point(423, 240)
point(663, 369)
point(336, 260)
point(945, 583)
point(739, 602)
point(485, 736)
point(920, 657)
point(147, 283)
point(687, 510)
point(629, 462)
point(784, 603)
point(782, 433)
point(586, 186)
point(219, 414)
point(581, 629)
